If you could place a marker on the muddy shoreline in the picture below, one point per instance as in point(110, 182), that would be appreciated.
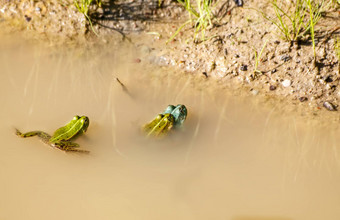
point(287, 70)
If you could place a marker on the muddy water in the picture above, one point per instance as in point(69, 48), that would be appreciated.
point(234, 159)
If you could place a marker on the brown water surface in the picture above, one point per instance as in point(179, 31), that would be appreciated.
point(233, 159)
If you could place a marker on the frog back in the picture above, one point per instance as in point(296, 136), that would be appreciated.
point(77, 125)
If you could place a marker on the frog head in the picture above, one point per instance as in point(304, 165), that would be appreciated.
point(179, 112)
point(85, 122)
point(169, 109)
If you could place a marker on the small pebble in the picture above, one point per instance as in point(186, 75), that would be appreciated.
point(100, 10)
point(329, 106)
point(273, 71)
point(328, 79)
point(243, 68)
point(330, 87)
point(272, 87)
point(162, 61)
point(321, 81)
point(236, 56)
point(239, 2)
point(225, 51)
point(296, 46)
point(286, 83)
point(303, 99)
point(28, 19)
point(285, 57)
point(254, 91)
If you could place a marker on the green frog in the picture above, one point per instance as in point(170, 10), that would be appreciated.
point(173, 116)
point(179, 112)
point(61, 137)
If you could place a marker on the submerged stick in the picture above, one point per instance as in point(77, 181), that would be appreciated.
point(124, 87)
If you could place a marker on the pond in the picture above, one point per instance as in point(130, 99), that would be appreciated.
point(234, 158)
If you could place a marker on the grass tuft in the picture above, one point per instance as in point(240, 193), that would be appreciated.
point(296, 19)
point(258, 57)
point(200, 16)
point(83, 7)
point(314, 17)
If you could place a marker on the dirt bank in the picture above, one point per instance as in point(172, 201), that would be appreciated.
point(285, 70)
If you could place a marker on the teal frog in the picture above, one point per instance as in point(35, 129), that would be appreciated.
point(172, 117)
point(62, 136)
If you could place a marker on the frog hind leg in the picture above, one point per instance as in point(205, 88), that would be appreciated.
point(149, 126)
point(164, 131)
point(167, 127)
point(75, 150)
point(29, 134)
point(69, 146)
point(163, 126)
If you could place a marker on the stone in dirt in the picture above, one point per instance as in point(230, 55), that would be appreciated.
point(244, 68)
point(286, 83)
point(285, 57)
point(272, 87)
point(303, 99)
point(329, 106)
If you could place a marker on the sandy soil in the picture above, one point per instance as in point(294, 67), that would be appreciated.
point(286, 70)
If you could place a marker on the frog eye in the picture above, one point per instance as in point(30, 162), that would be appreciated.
point(87, 121)
point(76, 117)
point(183, 109)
